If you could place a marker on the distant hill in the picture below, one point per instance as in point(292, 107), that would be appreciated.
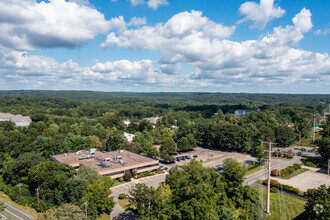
point(190, 97)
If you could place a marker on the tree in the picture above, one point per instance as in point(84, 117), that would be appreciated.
point(187, 143)
point(324, 148)
point(233, 171)
point(150, 203)
point(319, 206)
point(17, 170)
point(116, 140)
point(98, 199)
point(75, 189)
point(285, 136)
point(64, 212)
point(88, 174)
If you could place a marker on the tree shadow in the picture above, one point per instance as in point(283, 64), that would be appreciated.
point(302, 216)
point(127, 215)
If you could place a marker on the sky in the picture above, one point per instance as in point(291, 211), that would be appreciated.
point(261, 46)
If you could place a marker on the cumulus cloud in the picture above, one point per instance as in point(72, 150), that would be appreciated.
point(27, 24)
point(154, 4)
point(260, 14)
point(189, 38)
point(325, 31)
point(137, 21)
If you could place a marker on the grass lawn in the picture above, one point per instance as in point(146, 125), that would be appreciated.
point(254, 170)
point(294, 173)
point(28, 210)
point(282, 205)
point(117, 183)
point(216, 158)
point(104, 217)
point(123, 203)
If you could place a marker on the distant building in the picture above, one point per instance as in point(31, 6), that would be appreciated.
point(153, 120)
point(242, 112)
point(129, 137)
point(127, 122)
point(19, 120)
point(113, 163)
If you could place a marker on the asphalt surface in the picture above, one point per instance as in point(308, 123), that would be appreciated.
point(275, 164)
point(14, 213)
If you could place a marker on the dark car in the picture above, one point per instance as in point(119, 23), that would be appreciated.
point(186, 157)
point(183, 158)
point(289, 151)
point(195, 156)
point(299, 153)
point(178, 159)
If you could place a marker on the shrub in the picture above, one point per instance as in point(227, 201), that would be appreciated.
point(309, 164)
point(273, 189)
point(289, 170)
point(311, 191)
point(272, 182)
point(127, 177)
point(122, 196)
point(297, 165)
point(288, 155)
point(276, 172)
point(121, 179)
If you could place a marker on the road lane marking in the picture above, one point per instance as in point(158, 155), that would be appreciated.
point(13, 214)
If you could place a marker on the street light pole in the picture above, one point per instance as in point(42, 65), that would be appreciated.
point(268, 181)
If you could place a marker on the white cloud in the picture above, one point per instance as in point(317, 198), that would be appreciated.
point(154, 4)
point(325, 31)
point(260, 14)
point(137, 21)
point(190, 38)
point(26, 24)
point(178, 30)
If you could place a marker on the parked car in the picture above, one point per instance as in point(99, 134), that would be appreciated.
point(183, 158)
point(289, 151)
point(195, 156)
point(186, 157)
point(299, 153)
point(178, 159)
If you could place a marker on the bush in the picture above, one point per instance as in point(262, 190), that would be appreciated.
point(122, 196)
point(288, 155)
point(121, 179)
point(297, 165)
point(272, 182)
point(127, 177)
point(276, 172)
point(273, 189)
point(289, 170)
point(309, 164)
point(310, 192)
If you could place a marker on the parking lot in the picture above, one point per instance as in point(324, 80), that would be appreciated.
point(308, 180)
point(210, 157)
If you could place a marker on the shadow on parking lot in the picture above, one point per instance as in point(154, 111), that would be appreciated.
point(124, 216)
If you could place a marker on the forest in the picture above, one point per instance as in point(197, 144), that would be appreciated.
point(64, 121)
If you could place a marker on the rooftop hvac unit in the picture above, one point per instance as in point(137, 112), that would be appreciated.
point(121, 151)
point(119, 157)
point(79, 152)
point(92, 151)
point(108, 159)
point(121, 162)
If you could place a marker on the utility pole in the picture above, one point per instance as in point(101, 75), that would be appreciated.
point(86, 205)
point(314, 129)
point(328, 166)
point(37, 189)
point(268, 181)
point(19, 186)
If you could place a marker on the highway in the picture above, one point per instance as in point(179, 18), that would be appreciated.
point(14, 213)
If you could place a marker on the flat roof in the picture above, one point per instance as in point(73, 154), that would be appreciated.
point(129, 161)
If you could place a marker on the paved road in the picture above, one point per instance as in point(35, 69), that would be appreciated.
point(124, 188)
point(14, 213)
point(275, 164)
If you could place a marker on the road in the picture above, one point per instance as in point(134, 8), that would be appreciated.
point(120, 213)
point(275, 164)
point(14, 213)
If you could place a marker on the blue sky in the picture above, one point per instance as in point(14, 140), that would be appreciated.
point(163, 45)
